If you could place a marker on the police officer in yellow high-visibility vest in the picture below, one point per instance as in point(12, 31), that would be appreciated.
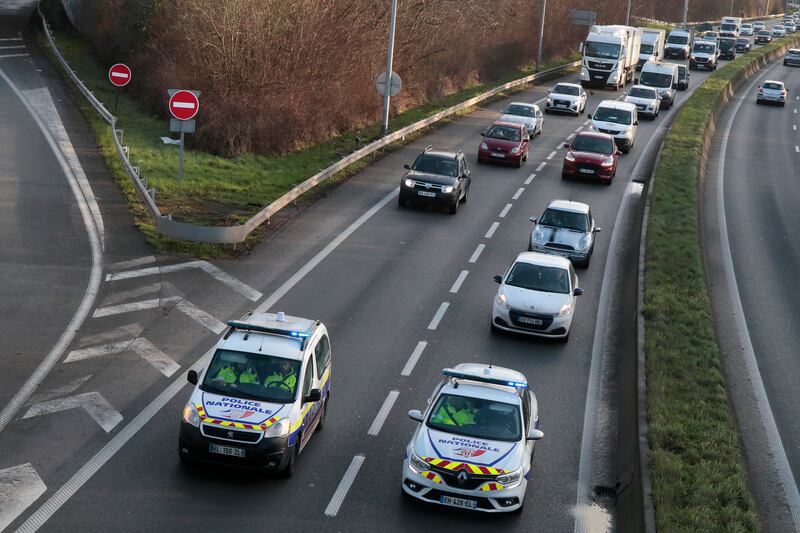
point(226, 374)
point(248, 375)
point(283, 377)
point(450, 414)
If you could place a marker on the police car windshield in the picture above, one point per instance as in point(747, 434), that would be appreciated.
point(260, 377)
point(476, 417)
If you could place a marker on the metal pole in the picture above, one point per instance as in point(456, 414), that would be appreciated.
point(541, 35)
point(685, 11)
point(628, 16)
point(732, 1)
point(766, 12)
point(180, 158)
point(389, 60)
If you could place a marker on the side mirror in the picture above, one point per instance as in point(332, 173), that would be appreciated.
point(578, 291)
point(498, 278)
point(191, 377)
point(618, 152)
point(483, 134)
point(533, 219)
point(598, 229)
point(407, 167)
point(415, 415)
point(675, 85)
point(636, 81)
point(589, 116)
point(535, 434)
point(635, 122)
point(314, 395)
point(549, 91)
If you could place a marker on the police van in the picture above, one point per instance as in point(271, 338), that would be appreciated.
point(261, 397)
point(474, 444)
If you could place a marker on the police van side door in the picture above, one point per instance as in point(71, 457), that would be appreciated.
point(308, 409)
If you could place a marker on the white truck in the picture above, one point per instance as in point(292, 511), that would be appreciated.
point(730, 27)
point(610, 56)
point(679, 43)
point(652, 47)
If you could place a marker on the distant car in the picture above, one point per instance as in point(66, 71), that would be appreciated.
point(792, 57)
point(703, 27)
point(747, 29)
point(683, 78)
point(743, 45)
point(727, 47)
point(772, 92)
point(759, 25)
point(529, 115)
point(537, 296)
point(709, 36)
point(436, 177)
point(505, 142)
point(566, 98)
point(566, 229)
point(790, 27)
point(646, 99)
point(763, 37)
point(704, 55)
point(591, 155)
point(778, 31)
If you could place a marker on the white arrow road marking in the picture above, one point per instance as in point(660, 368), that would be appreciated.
point(133, 263)
point(141, 347)
point(131, 331)
point(20, 486)
point(119, 297)
point(92, 402)
point(200, 316)
point(242, 288)
point(60, 392)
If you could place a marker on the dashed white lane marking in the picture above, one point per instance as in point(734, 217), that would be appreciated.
point(795, 111)
point(10, 39)
point(20, 486)
point(797, 149)
point(133, 263)
point(518, 193)
point(492, 229)
point(459, 281)
point(129, 331)
point(120, 297)
point(438, 316)
point(344, 486)
point(530, 179)
point(201, 317)
point(9, 56)
point(380, 418)
point(505, 211)
point(541, 166)
point(797, 97)
point(92, 402)
point(570, 136)
point(477, 253)
point(587, 122)
point(551, 155)
point(141, 347)
point(794, 127)
point(579, 129)
point(412, 361)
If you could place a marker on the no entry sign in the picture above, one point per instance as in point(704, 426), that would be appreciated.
point(184, 105)
point(120, 74)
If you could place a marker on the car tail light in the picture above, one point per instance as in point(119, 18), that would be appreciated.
point(783, 92)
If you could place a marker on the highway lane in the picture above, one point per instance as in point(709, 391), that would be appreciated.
point(377, 293)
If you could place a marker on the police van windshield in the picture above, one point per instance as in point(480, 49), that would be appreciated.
point(260, 377)
point(476, 417)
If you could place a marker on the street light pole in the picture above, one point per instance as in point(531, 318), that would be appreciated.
point(389, 60)
point(628, 16)
point(541, 35)
point(766, 13)
point(685, 12)
point(732, 1)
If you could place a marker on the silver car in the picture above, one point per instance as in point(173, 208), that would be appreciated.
point(647, 101)
point(566, 229)
point(772, 92)
point(529, 115)
point(566, 98)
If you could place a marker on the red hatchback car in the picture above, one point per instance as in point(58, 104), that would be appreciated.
point(591, 155)
point(505, 142)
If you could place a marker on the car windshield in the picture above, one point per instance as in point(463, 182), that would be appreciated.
point(742, 41)
point(728, 27)
point(505, 133)
point(773, 86)
point(641, 92)
point(476, 417)
point(566, 89)
point(726, 44)
point(590, 143)
point(704, 48)
point(602, 50)
point(521, 110)
point(538, 278)
point(656, 79)
point(565, 219)
point(436, 165)
point(646, 49)
point(678, 39)
point(763, 33)
point(255, 376)
point(609, 114)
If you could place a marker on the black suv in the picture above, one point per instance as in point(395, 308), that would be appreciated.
point(743, 45)
point(436, 177)
point(727, 47)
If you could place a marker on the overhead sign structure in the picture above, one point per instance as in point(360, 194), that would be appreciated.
point(184, 105)
point(120, 74)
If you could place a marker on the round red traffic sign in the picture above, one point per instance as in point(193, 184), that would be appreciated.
point(120, 74)
point(184, 105)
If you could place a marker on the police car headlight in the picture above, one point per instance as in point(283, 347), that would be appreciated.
point(278, 429)
point(416, 463)
point(190, 415)
point(510, 478)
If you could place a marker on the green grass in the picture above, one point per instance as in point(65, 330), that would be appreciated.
point(216, 190)
point(699, 481)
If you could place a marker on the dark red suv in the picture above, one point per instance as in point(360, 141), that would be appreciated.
point(591, 155)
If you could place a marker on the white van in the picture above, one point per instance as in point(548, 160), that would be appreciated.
point(663, 77)
point(618, 119)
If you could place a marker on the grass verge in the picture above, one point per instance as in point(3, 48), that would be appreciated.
point(699, 479)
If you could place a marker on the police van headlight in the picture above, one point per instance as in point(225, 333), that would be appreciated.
point(278, 429)
point(510, 478)
point(416, 463)
point(190, 415)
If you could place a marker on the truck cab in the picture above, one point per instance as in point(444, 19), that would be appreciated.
point(730, 27)
point(610, 55)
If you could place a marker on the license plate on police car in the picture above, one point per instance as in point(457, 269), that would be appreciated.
point(532, 321)
point(458, 502)
point(587, 171)
point(226, 450)
point(427, 193)
point(501, 156)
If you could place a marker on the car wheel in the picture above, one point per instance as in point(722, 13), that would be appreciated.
point(288, 470)
point(454, 207)
point(519, 162)
point(564, 176)
point(321, 423)
point(185, 460)
point(466, 195)
point(401, 201)
point(783, 104)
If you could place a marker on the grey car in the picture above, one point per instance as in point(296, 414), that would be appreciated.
point(566, 229)
point(529, 115)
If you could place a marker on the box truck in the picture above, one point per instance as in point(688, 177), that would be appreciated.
point(610, 56)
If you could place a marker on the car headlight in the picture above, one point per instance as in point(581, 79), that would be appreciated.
point(510, 478)
point(484, 146)
point(569, 156)
point(409, 182)
point(278, 429)
point(538, 236)
point(502, 300)
point(190, 415)
point(448, 189)
point(583, 244)
point(565, 310)
point(416, 463)
point(607, 162)
point(515, 150)
point(549, 101)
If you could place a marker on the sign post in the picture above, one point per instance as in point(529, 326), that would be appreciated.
point(183, 105)
point(119, 75)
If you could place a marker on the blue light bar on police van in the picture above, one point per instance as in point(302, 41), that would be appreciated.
point(269, 329)
point(483, 378)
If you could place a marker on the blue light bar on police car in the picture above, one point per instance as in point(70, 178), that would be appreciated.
point(245, 326)
point(483, 378)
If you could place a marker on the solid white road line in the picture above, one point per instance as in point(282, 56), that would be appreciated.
point(492, 229)
point(438, 316)
point(20, 486)
point(551, 155)
point(412, 361)
point(119, 297)
point(530, 179)
point(518, 193)
point(122, 332)
point(344, 486)
point(141, 347)
point(477, 253)
point(133, 263)
point(505, 211)
point(457, 285)
point(541, 166)
point(380, 418)
point(95, 275)
point(201, 317)
point(92, 402)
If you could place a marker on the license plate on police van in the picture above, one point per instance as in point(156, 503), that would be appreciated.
point(532, 321)
point(426, 193)
point(458, 502)
point(226, 450)
point(587, 171)
point(501, 156)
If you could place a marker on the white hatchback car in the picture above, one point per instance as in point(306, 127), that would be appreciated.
point(772, 92)
point(778, 31)
point(537, 296)
point(566, 98)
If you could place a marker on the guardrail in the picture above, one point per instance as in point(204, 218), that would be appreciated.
point(234, 234)
point(746, 19)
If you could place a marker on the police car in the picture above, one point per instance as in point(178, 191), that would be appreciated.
point(474, 443)
point(261, 397)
